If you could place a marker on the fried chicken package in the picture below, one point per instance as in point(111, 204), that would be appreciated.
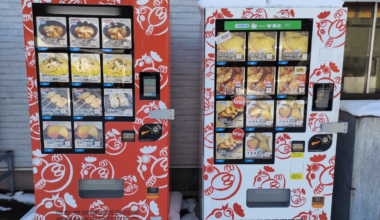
point(259, 113)
point(262, 46)
point(88, 134)
point(229, 115)
point(57, 135)
point(260, 80)
point(258, 146)
point(230, 80)
point(84, 32)
point(228, 147)
point(116, 33)
point(292, 80)
point(294, 45)
point(290, 113)
point(232, 49)
point(51, 32)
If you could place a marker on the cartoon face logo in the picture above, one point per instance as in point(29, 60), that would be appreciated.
point(98, 211)
point(114, 146)
point(311, 216)
point(331, 32)
point(283, 146)
point(298, 198)
point(138, 210)
point(35, 126)
point(209, 135)
point(209, 103)
point(91, 171)
point(148, 63)
point(324, 74)
point(209, 64)
point(285, 13)
point(50, 206)
point(153, 170)
point(130, 185)
point(319, 176)
point(315, 120)
point(252, 13)
point(32, 91)
point(152, 20)
point(263, 179)
point(221, 185)
point(226, 213)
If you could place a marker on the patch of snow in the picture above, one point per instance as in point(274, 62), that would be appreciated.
point(361, 107)
point(4, 209)
point(231, 3)
point(27, 198)
point(305, 3)
point(190, 216)
point(175, 205)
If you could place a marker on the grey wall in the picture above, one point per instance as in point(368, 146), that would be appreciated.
point(185, 46)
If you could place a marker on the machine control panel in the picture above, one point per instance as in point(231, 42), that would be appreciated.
point(149, 85)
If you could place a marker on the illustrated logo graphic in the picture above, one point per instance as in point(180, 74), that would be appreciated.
point(315, 120)
point(285, 13)
point(253, 25)
point(324, 75)
point(137, 210)
point(209, 135)
point(226, 213)
point(298, 198)
point(210, 24)
point(209, 102)
point(30, 56)
point(35, 126)
point(32, 91)
point(114, 146)
point(105, 169)
point(148, 63)
point(221, 185)
point(311, 216)
point(263, 179)
point(283, 148)
point(54, 205)
point(319, 176)
point(254, 13)
point(152, 20)
point(98, 211)
point(331, 32)
point(209, 64)
point(59, 172)
point(239, 102)
point(238, 134)
point(153, 170)
point(130, 185)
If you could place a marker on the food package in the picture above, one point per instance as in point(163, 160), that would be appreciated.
point(260, 113)
point(85, 68)
point(294, 45)
point(227, 147)
point(84, 32)
point(262, 46)
point(87, 102)
point(88, 134)
point(117, 68)
point(232, 49)
point(230, 81)
point(290, 113)
point(258, 146)
point(55, 101)
point(51, 32)
point(116, 33)
point(260, 80)
point(291, 80)
point(118, 102)
point(57, 135)
point(228, 116)
point(53, 67)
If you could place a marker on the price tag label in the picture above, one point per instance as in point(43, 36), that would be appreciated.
point(296, 176)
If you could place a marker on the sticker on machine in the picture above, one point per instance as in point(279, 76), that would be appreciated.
point(232, 49)
point(262, 46)
point(294, 45)
point(85, 68)
point(230, 81)
point(229, 145)
point(88, 135)
point(53, 67)
point(118, 102)
point(87, 102)
point(84, 32)
point(259, 113)
point(290, 113)
point(258, 146)
point(292, 80)
point(230, 114)
point(117, 68)
point(260, 80)
point(55, 101)
point(57, 135)
point(51, 32)
point(116, 33)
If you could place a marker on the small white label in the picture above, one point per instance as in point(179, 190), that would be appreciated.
point(302, 90)
point(223, 37)
point(268, 90)
point(156, 218)
point(304, 56)
point(238, 56)
point(269, 56)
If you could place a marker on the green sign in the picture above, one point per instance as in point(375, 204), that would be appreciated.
point(262, 25)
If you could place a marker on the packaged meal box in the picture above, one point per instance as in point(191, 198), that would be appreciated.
point(230, 81)
point(227, 147)
point(232, 49)
point(117, 68)
point(118, 102)
point(57, 134)
point(260, 113)
point(260, 80)
point(116, 33)
point(85, 68)
point(229, 115)
point(291, 80)
point(262, 46)
point(87, 102)
point(55, 101)
point(88, 134)
point(53, 67)
point(290, 113)
point(258, 146)
point(84, 32)
point(294, 45)
point(51, 32)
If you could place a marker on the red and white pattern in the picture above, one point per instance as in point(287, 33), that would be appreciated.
point(266, 180)
point(283, 148)
point(321, 176)
point(315, 120)
point(226, 212)
point(326, 74)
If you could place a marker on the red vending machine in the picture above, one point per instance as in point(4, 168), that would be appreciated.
point(98, 86)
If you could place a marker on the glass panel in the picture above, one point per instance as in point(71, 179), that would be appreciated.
point(374, 84)
point(356, 51)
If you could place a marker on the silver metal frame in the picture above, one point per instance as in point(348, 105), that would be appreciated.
point(371, 48)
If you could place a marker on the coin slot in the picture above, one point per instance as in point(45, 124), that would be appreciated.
point(152, 192)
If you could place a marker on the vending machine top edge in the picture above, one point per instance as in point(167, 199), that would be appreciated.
point(98, 74)
point(271, 81)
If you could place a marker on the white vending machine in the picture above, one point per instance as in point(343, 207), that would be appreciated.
point(272, 80)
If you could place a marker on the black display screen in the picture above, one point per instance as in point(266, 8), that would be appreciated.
point(149, 85)
point(323, 95)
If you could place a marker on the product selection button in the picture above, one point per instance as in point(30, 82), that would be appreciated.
point(280, 129)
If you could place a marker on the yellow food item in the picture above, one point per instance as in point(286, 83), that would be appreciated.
point(54, 66)
point(84, 32)
point(53, 131)
point(253, 143)
point(89, 99)
point(50, 95)
point(118, 67)
point(117, 33)
point(53, 31)
point(266, 115)
point(296, 114)
point(83, 131)
point(85, 95)
point(259, 41)
point(55, 98)
point(236, 44)
point(96, 103)
point(284, 111)
point(255, 111)
point(61, 102)
point(85, 66)
point(229, 143)
point(295, 41)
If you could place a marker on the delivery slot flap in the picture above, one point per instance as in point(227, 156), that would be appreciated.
point(267, 198)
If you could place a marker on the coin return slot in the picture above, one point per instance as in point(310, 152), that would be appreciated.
point(268, 198)
point(152, 193)
point(318, 202)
